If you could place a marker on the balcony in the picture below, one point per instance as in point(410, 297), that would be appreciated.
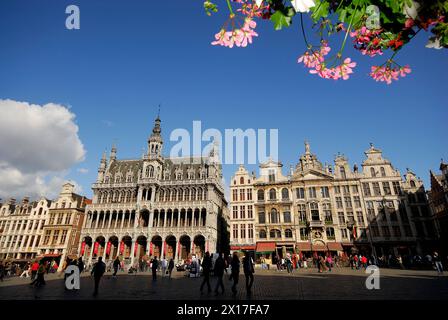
point(316, 223)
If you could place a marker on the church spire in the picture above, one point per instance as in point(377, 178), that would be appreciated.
point(155, 142)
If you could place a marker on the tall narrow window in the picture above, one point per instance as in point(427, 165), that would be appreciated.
point(343, 174)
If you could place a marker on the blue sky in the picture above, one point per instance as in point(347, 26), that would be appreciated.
point(129, 56)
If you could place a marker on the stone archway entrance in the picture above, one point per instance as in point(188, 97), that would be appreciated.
point(199, 246)
point(185, 247)
point(142, 246)
point(156, 244)
point(170, 251)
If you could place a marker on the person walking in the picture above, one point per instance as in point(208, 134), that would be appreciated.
point(220, 266)
point(154, 267)
point(170, 268)
point(235, 272)
point(26, 271)
point(80, 265)
point(164, 267)
point(206, 268)
point(249, 270)
point(2, 271)
point(329, 262)
point(34, 268)
point(40, 280)
point(438, 263)
point(116, 266)
point(98, 271)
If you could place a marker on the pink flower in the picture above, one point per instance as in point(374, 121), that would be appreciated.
point(388, 73)
point(237, 37)
point(315, 60)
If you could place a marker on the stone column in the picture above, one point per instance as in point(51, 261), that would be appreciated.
point(91, 252)
point(162, 250)
point(133, 252)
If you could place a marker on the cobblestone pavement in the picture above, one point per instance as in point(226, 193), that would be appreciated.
point(341, 284)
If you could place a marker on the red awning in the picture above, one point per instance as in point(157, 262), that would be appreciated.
point(266, 247)
point(334, 246)
point(247, 248)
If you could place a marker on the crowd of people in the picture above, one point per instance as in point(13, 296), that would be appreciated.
point(217, 265)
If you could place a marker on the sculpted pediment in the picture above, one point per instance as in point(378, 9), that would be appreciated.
point(312, 175)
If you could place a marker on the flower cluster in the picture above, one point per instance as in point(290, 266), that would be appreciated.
point(239, 37)
point(388, 73)
point(367, 41)
point(252, 9)
point(315, 60)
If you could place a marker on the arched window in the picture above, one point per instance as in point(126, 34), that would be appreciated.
point(147, 172)
point(274, 216)
point(285, 194)
point(151, 171)
point(193, 194)
point(161, 195)
point(180, 196)
point(241, 180)
point(275, 234)
point(383, 172)
point(413, 184)
point(106, 180)
point(263, 234)
point(260, 195)
point(174, 195)
point(372, 172)
point(288, 233)
point(343, 174)
point(187, 194)
point(272, 194)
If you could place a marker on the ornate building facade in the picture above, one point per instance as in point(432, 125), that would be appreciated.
point(438, 197)
point(155, 206)
point(62, 229)
point(21, 228)
point(317, 208)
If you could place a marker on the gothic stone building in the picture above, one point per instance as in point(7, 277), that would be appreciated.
point(317, 208)
point(155, 206)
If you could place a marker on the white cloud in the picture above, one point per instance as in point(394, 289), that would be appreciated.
point(38, 144)
point(83, 170)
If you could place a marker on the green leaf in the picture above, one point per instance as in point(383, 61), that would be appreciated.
point(320, 10)
point(280, 20)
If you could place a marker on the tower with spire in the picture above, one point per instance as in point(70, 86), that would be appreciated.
point(102, 168)
point(155, 141)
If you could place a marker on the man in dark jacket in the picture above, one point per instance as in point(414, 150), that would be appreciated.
point(170, 268)
point(220, 265)
point(80, 265)
point(116, 266)
point(206, 268)
point(155, 266)
point(97, 272)
point(248, 267)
